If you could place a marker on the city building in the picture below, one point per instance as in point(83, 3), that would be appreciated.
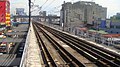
point(114, 28)
point(42, 13)
point(112, 25)
point(81, 13)
point(20, 11)
point(115, 18)
point(4, 13)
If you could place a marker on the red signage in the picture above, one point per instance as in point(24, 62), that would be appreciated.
point(2, 11)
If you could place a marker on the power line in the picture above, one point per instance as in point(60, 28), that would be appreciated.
point(54, 8)
point(49, 4)
point(39, 8)
point(44, 3)
point(33, 2)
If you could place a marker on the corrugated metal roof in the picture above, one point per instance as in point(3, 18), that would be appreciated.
point(100, 31)
point(16, 33)
point(21, 27)
point(6, 59)
point(13, 40)
point(92, 30)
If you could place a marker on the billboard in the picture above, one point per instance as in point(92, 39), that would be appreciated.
point(4, 12)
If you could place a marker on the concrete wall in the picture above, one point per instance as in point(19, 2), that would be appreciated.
point(82, 12)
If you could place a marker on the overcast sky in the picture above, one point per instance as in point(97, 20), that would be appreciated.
point(53, 6)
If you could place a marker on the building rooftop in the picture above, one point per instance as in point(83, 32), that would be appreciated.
point(13, 40)
point(100, 31)
point(16, 33)
point(111, 35)
point(8, 59)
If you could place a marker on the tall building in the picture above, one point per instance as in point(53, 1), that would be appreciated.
point(81, 13)
point(42, 13)
point(4, 13)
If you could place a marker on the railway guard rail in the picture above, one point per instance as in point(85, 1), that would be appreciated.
point(23, 60)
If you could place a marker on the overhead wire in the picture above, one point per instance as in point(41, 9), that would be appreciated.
point(41, 5)
point(57, 7)
point(49, 4)
point(44, 3)
point(55, 10)
point(39, 8)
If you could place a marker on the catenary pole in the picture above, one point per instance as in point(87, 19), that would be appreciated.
point(29, 12)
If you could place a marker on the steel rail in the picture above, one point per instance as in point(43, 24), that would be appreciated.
point(110, 62)
point(41, 49)
point(81, 51)
point(83, 46)
point(73, 61)
point(107, 56)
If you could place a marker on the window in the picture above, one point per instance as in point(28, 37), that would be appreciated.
point(112, 26)
point(111, 32)
point(93, 12)
point(118, 27)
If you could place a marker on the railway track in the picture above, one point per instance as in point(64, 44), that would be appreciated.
point(96, 55)
point(62, 59)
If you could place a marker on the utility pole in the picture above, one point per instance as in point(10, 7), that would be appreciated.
point(63, 24)
point(29, 12)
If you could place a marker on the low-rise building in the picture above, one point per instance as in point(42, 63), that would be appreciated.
point(114, 28)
